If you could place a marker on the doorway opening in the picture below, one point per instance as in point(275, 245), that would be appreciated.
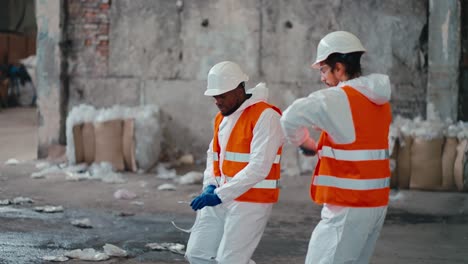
point(18, 115)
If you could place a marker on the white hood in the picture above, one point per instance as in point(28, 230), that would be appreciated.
point(259, 93)
point(375, 86)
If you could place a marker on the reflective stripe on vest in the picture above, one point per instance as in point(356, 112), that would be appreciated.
point(353, 155)
point(265, 184)
point(244, 157)
point(352, 184)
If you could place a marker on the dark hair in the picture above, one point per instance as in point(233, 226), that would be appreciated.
point(242, 84)
point(351, 61)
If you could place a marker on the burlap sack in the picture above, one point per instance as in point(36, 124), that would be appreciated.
point(109, 147)
point(87, 131)
point(128, 144)
point(393, 166)
point(459, 166)
point(78, 143)
point(404, 162)
point(448, 161)
point(426, 163)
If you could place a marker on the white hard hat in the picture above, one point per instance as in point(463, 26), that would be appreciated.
point(337, 42)
point(224, 77)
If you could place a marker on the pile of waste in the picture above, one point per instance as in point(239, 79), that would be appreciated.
point(429, 154)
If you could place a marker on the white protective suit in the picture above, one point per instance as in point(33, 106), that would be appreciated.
point(229, 232)
point(345, 234)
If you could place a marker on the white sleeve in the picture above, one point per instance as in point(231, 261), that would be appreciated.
point(327, 109)
point(267, 139)
point(208, 176)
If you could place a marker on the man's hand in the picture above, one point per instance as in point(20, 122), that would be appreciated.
point(205, 199)
point(209, 189)
point(307, 152)
point(308, 148)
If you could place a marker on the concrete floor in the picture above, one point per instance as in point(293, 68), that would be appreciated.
point(421, 227)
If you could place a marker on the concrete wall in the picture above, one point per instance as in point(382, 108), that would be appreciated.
point(50, 92)
point(160, 51)
point(444, 58)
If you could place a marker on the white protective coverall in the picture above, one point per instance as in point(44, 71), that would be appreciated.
point(229, 232)
point(345, 234)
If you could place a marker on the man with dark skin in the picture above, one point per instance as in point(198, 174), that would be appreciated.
point(229, 102)
point(240, 182)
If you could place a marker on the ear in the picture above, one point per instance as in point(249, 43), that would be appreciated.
point(340, 71)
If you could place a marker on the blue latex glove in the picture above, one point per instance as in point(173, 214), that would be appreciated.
point(209, 189)
point(205, 199)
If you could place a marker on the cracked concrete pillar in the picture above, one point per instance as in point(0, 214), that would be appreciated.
point(50, 93)
point(444, 56)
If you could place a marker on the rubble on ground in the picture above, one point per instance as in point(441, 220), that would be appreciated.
point(82, 223)
point(173, 247)
point(49, 209)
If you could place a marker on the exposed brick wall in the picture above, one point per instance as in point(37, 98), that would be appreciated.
point(88, 36)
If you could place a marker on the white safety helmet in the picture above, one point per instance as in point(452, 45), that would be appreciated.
point(224, 77)
point(337, 42)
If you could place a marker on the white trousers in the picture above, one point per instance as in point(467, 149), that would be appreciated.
point(345, 235)
point(227, 234)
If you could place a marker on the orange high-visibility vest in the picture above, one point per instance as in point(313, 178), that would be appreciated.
point(356, 174)
point(238, 152)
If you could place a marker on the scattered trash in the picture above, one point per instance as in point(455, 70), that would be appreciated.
point(182, 229)
point(139, 203)
point(106, 173)
point(87, 254)
point(12, 162)
point(167, 187)
point(42, 165)
point(82, 223)
point(164, 173)
point(114, 251)
point(5, 202)
point(186, 159)
point(49, 209)
point(123, 194)
point(35, 175)
point(193, 177)
point(173, 247)
point(55, 258)
point(49, 170)
point(191, 228)
point(22, 200)
point(71, 176)
point(155, 246)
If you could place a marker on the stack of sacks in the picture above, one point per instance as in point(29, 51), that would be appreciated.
point(429, 155)
point(460, 171)
point(426, 155)
point(80, 134)
point(449, 154)
point(400, 147)
point(128, 138)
